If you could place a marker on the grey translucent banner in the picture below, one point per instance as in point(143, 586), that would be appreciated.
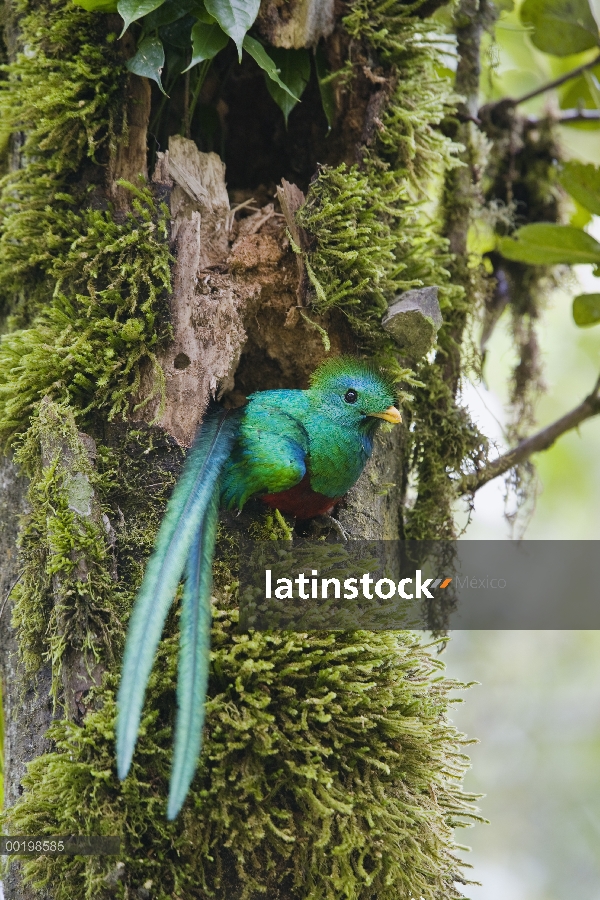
point(379, 585)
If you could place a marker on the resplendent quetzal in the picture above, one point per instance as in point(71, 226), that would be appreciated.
point(297, 451)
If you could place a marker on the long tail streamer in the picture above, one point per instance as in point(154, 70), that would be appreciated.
point(183, 522)
point(194, 659)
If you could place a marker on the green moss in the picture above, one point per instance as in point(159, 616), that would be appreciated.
point(354, 263)
point(443, 444)
point(373, 236)
point(1, 749)
point(88, 346)
point(408, 137)
point(63, 93)
point(65, 598)
point(521, 178)
point(375, 233)
point(329, 770)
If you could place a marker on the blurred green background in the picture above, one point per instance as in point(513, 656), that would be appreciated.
point(568, 500)
point(537, 715)
point(537, 709)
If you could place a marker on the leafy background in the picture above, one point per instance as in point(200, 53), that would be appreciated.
point(537, 708)
point(177, 37)
point(568, 498)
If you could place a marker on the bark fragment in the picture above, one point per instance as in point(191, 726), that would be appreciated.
point(207, 328)
point(236, 284)
point(296, 23)
point(413, 320)
point(291, 199)
point(129, 161)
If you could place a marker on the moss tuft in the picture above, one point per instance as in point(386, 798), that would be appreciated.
point(354, 263)
point(444, 444)
point(421, 93)
point(88, 346)
point(329, 770)
point(62, 93)
point(65, 597)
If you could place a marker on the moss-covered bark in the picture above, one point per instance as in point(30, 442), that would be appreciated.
point(330, 768)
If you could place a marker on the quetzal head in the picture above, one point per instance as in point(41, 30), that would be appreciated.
point(354, 393)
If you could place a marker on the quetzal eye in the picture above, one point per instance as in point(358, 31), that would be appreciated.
point(351, 396)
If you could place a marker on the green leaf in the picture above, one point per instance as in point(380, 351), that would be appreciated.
point(178, 34)
point(202, 15)
point(580, 217)
point(105, 6)
point(294, 69)
point(560, 27)
point(581, 93)
point(549, 245)
point(258, 53)
point(582, 182)
point(235, 17)
point(593, 86)
point(326, 88)
point(149, 60)
point(170, 11)
point(207, 41)
point(586, 309)
point(132, 10)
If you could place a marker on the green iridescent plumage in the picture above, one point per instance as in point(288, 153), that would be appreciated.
point(299, 451)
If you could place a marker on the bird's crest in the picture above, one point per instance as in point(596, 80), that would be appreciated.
point(352, 365)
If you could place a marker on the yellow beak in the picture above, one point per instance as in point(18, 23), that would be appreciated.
point(391, 414)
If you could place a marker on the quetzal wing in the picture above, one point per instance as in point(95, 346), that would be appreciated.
point(181, 525)
point(269, 455)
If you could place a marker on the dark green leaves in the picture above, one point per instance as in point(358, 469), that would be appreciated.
point(582, 182)
point(207, 41)
point(260, 55)
point(132, 10)
point(560, 27)
point(546, 244)
point(586, 309)
point(235, 18)
point(149, 60)
point(205, 26)
point(170, 11)
point(178, 35)
point(294, 69)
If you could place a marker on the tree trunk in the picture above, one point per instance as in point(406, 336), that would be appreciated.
point(102, 437)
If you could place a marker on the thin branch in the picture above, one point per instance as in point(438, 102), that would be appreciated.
point(541, 441)
point(574, 115)
point(508, 101)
